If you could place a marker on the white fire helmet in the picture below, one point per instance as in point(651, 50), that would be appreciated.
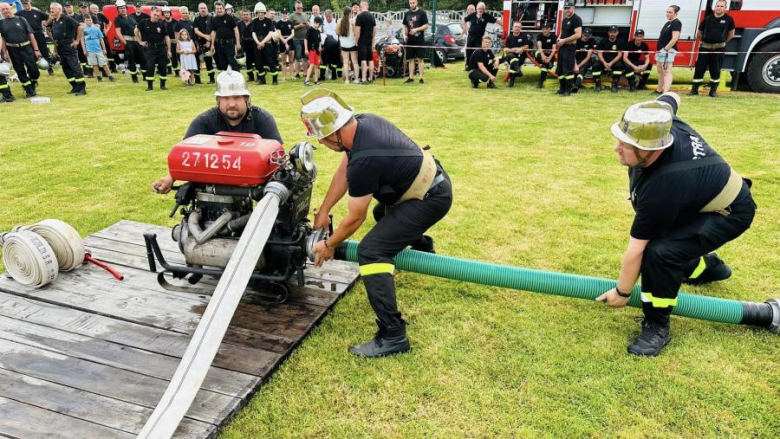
point(120, 3)
point(5, 69)
point(231, 83)
point(42, 64)
point(259, 7)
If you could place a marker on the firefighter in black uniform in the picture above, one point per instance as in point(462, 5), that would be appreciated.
point(224, 34)
point(202, 24)
point(36, 18)
point(715, 31)
point(247, 44)
point(483, 65)
point(571, 31)
point(545, 52)
point(18, 44)
point(170, 24)
point(413, 190)
point(140, 15)
point(234, 112)
point(125, 32)
point(688, 203)
point(637, 61)
point(583, 60)
point(262, 33)
point(516, 51)
point(152, 34)
point(67, 35)
point(610, 53)
point(477, 24)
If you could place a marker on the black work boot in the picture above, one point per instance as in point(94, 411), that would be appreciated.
point(512, 81)
point(135, 78)
point(643, 82)
point(149, 85)
point(715, 270)
point(615, 88)
point(211, 78)
point(28, 92)
point(162, 85)
point(51, 71)
point(561, 86)
point(424, 244)
point(654, 337)
point(250, 76)
point(542, 78)
point(714, 89)
point(491, 84)
point(694, 89)
point(577, 85)
point(81, 89)
point(197, 79)
point(599, 87)
point(7, 97)
point(386, 341)
point(261, 80)
point(474, 83)
point(275, 80)
point(632, 84)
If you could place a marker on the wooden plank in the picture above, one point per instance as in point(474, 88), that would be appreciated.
point(87, 406)
point(118, 356)
point(18, 420)
point(243, 358)
point(107, 381)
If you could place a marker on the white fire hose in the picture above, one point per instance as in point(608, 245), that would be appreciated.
point(34, 255)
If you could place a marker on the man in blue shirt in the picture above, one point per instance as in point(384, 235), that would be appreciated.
point(95, 48)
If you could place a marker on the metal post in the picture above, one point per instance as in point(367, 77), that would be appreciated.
point(433, 22)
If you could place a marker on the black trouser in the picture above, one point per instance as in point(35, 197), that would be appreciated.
point(617, 71)
point(473, 43)
point(23, 60)
point(5, 89)
point(516, 61)
point(668, 260)
point(69, 60)
point(225, 55)
point(708, 59)
point(642, 77)
point(545, 67)
point(134, 56)
point(580, 76)
point(83, 61)
point(156, 56)
point(208, 59)
point(249, 47)
point(476, 75)
point(173, 61)
point(110, 54)
point(40, 38)
point(400, 227)
point(566, 58)
point(265, 60)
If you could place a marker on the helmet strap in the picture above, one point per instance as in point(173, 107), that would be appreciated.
point(340, 142)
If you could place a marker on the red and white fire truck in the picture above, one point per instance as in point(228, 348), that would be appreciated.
point(753, 56)
point(110, 11)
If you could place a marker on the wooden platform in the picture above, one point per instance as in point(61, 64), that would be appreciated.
point(89, 356)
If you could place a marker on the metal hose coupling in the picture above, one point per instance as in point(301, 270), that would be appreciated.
point(774, 327)
point(277, 189)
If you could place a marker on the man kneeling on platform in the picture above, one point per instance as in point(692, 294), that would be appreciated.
point(483, 65)
point(413, 190)
point(688, 202)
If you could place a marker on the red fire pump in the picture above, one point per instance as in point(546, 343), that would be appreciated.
point(226, 175)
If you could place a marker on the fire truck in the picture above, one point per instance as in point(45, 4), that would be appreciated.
point(752, 57)
point(111, 12)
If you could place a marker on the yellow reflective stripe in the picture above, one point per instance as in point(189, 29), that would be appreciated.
point(658, 302)
point(378, 268)
point(699, 269)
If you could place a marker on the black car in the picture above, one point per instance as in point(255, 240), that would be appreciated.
point(449, 42)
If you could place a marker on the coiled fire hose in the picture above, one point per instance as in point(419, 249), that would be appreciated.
point(35, 254)
point(714, 309)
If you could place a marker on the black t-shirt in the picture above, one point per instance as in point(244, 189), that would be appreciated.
point(714, 29)
point(610, 48)
point(676, 196)
point(666, 33)
point(141, 17)
point(548, 42)
point(569, 25)
point(637, 54)
point(365, 21)
point(477, 26)
point(485, 57)
point(513, 42)
point(79, 18)
point(185, 25)
point(100, 21)
point(285, 27)
point(35, 18)
point(245, 30)
point(15, 30)
point(202, 24)
point(414, 19)
point(171, 26)
point(223, 26)
point(126, 25)
point(64, 29)
point(583, 47)
point(262, 27)
point(259, 122)
point(313, 38)
point(387, 178)
point(153, 32)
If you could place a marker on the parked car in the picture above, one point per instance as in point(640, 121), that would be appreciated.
point(449, 42)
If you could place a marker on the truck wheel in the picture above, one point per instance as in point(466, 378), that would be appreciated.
point(764, 69)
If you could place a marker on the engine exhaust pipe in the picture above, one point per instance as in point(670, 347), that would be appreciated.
point(200, 235)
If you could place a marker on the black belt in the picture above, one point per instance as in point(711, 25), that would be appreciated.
point(226, 42)
point(17, 45)
point(63, 42)
point(155, 45)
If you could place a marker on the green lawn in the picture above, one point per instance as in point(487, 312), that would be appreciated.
point(536, 185)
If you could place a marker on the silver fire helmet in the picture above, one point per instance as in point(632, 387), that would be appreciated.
point(42, 64)
point(646, 126)
point(231, 83)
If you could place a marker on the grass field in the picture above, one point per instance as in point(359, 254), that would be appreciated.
point(536, 185)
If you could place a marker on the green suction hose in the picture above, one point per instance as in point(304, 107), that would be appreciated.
point(583, 287)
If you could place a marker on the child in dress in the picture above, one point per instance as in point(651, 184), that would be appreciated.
point(186, 49)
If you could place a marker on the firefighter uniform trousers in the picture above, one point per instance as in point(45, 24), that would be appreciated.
point(631, 76)
point(265, 62)
point(83, 62)
point(156, 55)
point(249, 47)
point(134, 57)
point(617, 72)
point(69, 59)
point(515, 61)
point(711, 59)
point(670, 259)
point(543, 67)
point(209, 60)
point(5, 89)
point(42, 46)
point(401, 226)
point(225, 55)
point(109, 54)
point(565, 69)
point(23, 60)
point(476, 75)
point(173, 61)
